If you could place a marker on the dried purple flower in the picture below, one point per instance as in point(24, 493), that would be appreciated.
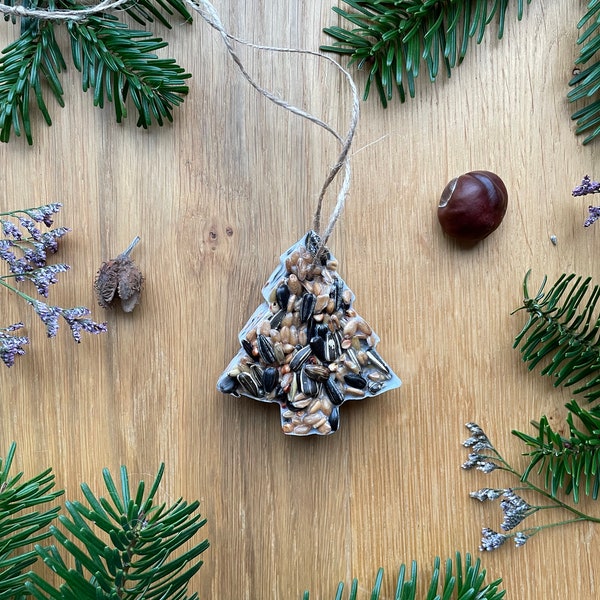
point(491, 540)
point(48, 314)
point(11, 345)
point(43, 277)
point(11, 230)
point(520, 539)
point(119, 277)
point(587, 186)
point(479, 462)
point(76, 318)
point(594, 215)
point(478, 440)
point(44, 213)
point(515, 510)
point(487, 494)
point(78, 321)
point(29, 225)
point(50, 238)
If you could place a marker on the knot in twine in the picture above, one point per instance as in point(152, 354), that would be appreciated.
point(209, 14)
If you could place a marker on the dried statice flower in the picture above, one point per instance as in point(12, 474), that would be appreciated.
point(44, 214)
point(515, 510)
point(24, 249)
point(491, 540)
point(11, 346)
point(487, 494)
point(587, 186)
point(479, 440)
point(76, 318)
point(45, 276)
point(520, 539)
point(119, 278)
point(594, 215)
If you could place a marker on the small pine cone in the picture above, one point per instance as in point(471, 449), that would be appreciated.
point(119, 277)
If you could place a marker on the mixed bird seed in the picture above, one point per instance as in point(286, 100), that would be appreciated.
point(306, 348)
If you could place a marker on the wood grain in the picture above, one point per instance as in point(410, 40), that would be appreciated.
point(216, 197)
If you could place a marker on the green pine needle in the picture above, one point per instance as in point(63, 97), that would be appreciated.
point(586, 81)
point(125, 546)
point(569, 463)
point(458, 582)
point(562, 332)
point(393, 38)
point(22, 523)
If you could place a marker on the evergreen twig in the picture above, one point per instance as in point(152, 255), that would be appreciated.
point(393, 38)
point(563, 330)
point(22, 523)
point(115, 61)
point(125, 546)
point(586, 78)
point(456, 580)
point(569, 463)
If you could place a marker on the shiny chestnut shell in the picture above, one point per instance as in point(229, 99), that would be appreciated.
point(472, 206)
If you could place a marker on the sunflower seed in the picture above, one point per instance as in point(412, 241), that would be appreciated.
point(265, 349)
point(270, 378)
point(300, 357)
point(334, 392)
point(307, 307)
point(249, 384)
point(355, 381)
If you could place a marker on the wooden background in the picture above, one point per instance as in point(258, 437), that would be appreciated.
point(216, 197)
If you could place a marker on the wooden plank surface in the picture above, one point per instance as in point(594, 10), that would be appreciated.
point(216, 197)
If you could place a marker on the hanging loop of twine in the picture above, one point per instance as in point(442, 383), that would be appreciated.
point(208, 12)
point(210, 15)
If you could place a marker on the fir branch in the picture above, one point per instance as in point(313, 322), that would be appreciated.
point(21, 523)
point(458, 581)
point(147, 11)
point(586, 78)
point(563, 329)
point(115, 61)
point(392, 38)
point(569, 463)
point(32, 59)
point(125, 546)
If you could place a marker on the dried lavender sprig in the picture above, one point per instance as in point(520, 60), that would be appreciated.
point(11, 346)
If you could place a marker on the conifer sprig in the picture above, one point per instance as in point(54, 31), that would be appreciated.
point(453, 580)
point(115, 61)
point(126, 545)
point(392, 39)
point(586, 78)
point(569, 463)
point(22, 523)
point(562, 331)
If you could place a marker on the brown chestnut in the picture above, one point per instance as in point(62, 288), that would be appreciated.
point(472, 206)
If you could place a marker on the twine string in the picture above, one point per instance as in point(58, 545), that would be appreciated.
point(209, 14)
